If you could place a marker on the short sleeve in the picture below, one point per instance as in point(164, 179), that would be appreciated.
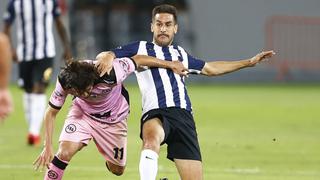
point(10, 13)
point(195, 64)
point(123, 67)
point(56, 11)
point(57, 97)
point(128, 50)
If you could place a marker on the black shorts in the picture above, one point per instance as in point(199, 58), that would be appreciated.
point(180, 132)
point(31, 72)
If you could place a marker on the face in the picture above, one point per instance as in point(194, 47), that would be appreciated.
point(81, 94)
point(164, 28)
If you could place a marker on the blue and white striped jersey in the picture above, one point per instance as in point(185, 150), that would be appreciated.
point(161, 88)
point(34, 27)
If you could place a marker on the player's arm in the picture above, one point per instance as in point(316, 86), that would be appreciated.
point(175, 66)
point(67, 55)
point(5, 70)
point(7, 31)
point(215, 68)
point(44, 159)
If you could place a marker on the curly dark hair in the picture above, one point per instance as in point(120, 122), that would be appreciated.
point(78, 75)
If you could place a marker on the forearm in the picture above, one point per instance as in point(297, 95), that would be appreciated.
point(143, 60)
point(49, 119)
point(63, 34)
point(215, 68)
point(5, 61)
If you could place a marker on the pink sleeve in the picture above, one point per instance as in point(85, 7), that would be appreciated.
point(123, 68)
point(57, 97)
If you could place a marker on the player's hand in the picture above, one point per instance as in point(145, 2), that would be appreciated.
point(178, 68)
point(260, 57)
point(104, 62)
point(6, 105)
point(44, 159)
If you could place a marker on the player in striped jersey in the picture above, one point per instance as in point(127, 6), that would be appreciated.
point(167, 113)
point(35, 53)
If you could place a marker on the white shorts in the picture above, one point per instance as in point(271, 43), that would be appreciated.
point(110, 139)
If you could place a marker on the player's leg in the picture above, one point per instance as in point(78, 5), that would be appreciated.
point(152, 136)
point(114, 168)
point(38, 96)
point(76, 133)
point(25, 82)
point(61, 160)
point(183, 146)
point(189, 169)
point(111, 141)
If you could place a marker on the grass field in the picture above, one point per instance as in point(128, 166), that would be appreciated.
point(246, 132)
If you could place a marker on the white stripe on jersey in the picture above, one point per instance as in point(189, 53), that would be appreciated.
point(147, 84)
point(27, 24)
point(165, 78)
point(175, 56)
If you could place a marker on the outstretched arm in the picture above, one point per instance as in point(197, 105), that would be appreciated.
point(46, 155)
point(176, 66)
point(216, 68)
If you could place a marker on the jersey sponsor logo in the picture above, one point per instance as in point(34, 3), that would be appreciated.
point(52, 174)
point(71, 128)
point(124, 65)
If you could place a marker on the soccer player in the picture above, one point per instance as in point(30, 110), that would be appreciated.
point(99, 111)
point(35, 53)
point(5, 69)
point(167, 113)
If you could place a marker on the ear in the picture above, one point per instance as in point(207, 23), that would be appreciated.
point(151, 27)
point(175, 28)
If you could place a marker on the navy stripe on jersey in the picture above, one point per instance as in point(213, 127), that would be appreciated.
point(128, 50)
point(23, 30)
point(10, 15)
point(157, 78)
point(173, 81)
point(34, 30)
point(56, 10)
point(187, 99)
point(169, 89)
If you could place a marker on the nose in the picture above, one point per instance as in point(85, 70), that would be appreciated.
point(163, 29)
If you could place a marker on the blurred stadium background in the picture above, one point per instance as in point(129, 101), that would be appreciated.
point(258, 123)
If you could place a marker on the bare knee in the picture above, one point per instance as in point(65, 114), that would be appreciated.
point(115, 169)
point(68, 149)
point(153, 134)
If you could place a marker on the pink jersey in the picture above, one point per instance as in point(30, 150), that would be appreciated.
point(106, 103)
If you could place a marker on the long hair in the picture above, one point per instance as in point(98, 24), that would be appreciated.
point(78, 75)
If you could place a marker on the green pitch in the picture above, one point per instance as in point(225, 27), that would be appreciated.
point(246, 132)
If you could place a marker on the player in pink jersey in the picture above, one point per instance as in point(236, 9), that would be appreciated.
point(99, 111)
